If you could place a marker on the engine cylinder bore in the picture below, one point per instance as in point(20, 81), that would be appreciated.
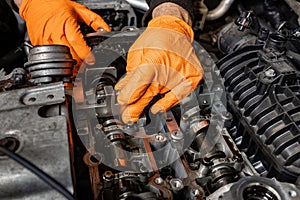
point(50, 63)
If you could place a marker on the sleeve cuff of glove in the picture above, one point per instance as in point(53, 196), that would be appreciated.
point(186, 4)
point(172, 23)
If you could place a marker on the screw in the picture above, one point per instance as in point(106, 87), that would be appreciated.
point(292, 193)
point(195, 192)
point(108, 175)
point(159, 137)
point(158, 180)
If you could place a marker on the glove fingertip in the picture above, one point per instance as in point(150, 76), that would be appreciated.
point(157, 108)
point(123, 81)
point(129, 118)
point(106, 27)
point(99, 23)
point(165, 103)
point(120, 84)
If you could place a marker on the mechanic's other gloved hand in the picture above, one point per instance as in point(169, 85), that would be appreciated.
point(56, 22)
point(161, 61)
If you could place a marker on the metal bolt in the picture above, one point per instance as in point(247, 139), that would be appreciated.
point(226, 115)
point(177, 135)
point(158, 180)
point(292, 193)
point(270, 73)
point(159, 137)
point(194, 166)
point(176, 184)
point(195, 192)
point(108, 175)
point(143, 168)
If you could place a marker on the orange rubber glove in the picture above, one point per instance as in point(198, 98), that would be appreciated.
point(161, 61)
point(56, 22)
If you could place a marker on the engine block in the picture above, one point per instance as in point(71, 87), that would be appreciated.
point(235, 137)
point(263, 93)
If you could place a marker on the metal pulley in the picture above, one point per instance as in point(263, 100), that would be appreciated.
point(50, 63)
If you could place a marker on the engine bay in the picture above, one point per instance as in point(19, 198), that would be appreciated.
point(235, 137)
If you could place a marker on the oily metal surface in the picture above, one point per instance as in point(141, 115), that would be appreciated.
point(45, 62)
point(33, 124)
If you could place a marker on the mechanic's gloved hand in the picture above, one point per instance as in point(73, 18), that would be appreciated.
point(161, 61)
point(56, 22)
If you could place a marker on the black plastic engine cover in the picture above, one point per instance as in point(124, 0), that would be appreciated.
point(263, 93)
